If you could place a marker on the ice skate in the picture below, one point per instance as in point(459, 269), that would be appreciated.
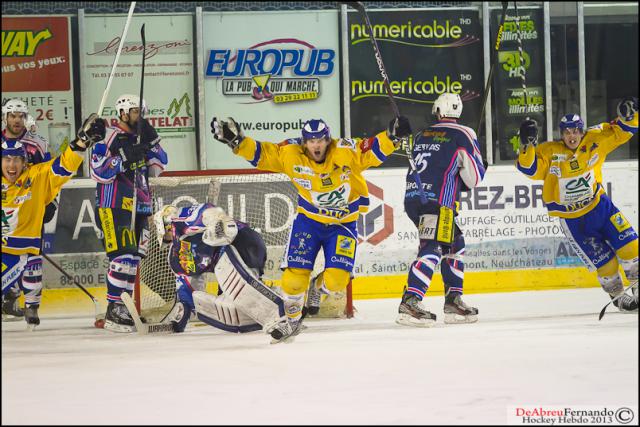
point(626, 303)
point(11, 311)
point(285, 331)
point(31, 316)
point(118, 318)
point(456, 311)
point(411, 313)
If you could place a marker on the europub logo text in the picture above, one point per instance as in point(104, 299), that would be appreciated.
point(256, 72)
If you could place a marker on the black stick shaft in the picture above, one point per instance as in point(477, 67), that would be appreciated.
point(70, 277)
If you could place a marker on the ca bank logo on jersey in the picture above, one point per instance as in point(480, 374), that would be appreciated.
point(278, 70)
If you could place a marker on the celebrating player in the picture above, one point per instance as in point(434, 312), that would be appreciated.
point(449, 161)
point(116, 162)
point(26, 190)
point(18, 125)
point(205, 239)
point(572, 172)
point(332, 192)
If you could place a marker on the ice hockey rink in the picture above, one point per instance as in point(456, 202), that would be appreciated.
point(529, 348)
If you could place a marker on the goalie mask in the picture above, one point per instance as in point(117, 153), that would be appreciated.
point(220, 228)
point(448, 105)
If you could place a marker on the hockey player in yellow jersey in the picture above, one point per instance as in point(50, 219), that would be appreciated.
point(26, 190)
point(327, 173)
point(572, 172)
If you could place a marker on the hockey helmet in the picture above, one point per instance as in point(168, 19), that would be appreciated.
point(315, 129)
point(448, 105)
point(14, 105)
point(127, 101)
point(571, 121)
point(13, 148)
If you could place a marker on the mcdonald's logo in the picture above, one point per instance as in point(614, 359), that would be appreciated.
point(128, 236)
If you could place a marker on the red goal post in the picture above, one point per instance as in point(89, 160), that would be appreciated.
point(266, 201)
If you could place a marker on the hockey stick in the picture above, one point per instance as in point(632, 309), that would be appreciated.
point(75, 282)
point(385, 79)
point(141, 327)
point(140, 116)
point(631, 286)
point(115, 61)
point(494, 55)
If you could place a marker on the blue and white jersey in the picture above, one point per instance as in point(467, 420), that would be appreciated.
point(448, 160)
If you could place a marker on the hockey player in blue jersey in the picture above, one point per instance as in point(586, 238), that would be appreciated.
point(449, 161)
point(18, 125)
point(204, 239)
point(115, 163)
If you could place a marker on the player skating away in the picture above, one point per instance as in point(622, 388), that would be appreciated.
point(572, 173)
point(26, 190)
point(18, 125)
point(115, 163)
point(327, 173)
point(204, 239)
point(448, 161)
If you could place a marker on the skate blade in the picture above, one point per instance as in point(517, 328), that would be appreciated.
point(454, 318)
point(31, 327)
point(408, 320)
point(11, 318)
point(115, 327)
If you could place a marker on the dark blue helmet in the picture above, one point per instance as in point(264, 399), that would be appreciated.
point(315, 128)
point(571, 121)
point(13, 148)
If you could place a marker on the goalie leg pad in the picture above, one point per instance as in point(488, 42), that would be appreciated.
point(249, 294)
point(221, 312)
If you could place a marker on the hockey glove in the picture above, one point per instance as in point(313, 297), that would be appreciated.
point(133, 155)
point(228, 132)
point(50, 211)
point(93, 130)
point(627, 108)
point(149, 134)
point(529, 132)
point(399, 128)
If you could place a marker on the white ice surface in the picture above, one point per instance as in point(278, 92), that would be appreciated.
point(529, 348)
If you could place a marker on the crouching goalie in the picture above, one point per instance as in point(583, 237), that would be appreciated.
point(205, 239)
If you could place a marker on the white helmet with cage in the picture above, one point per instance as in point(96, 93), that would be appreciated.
point(448, 105)
point(127, 101)
point(14, 105)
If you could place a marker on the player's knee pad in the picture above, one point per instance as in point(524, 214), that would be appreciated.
point(295, 280)
point(336, 280)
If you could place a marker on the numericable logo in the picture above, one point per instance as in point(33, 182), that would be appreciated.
point(279, 70)
point(445, 34)
point(415, 90)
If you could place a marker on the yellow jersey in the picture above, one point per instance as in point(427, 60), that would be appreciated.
point(23, 202)
point(573, 178)
point(330, 192)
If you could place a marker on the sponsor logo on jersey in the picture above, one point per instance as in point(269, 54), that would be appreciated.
point(592, 161)
point(303, 170)
point(304, 183)
point(347, 143)
point(108, 228)
point(256, 72)
point(336, 198)
point(21, 199)
point(326, 181)
point(127, 203)
point(9, 220)
point(558, 157)
point(127, 237)
point(576, 189)
point(574, 165)
point(619, 221)
point(185, 257)
point(555, 170)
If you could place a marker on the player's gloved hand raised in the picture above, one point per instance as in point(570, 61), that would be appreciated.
point(227, 132)
point(50, 211)
point(133, 155)
point(399, 128)
point(149, 135)
point(627, 108)
point(529, 132)
point(93, 130)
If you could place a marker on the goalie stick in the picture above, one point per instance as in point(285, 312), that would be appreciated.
point(632, 285)
point(385, 79)
point(146, 328)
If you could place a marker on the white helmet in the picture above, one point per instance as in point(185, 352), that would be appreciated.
point(14, 106)
point(448, 105)
point(127, 101)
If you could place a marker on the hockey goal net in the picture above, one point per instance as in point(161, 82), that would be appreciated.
point(265, 201)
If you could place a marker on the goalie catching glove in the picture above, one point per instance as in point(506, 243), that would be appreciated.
point(93, 130)
point(220, 229)
point(228, 132)
point(162, 220)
